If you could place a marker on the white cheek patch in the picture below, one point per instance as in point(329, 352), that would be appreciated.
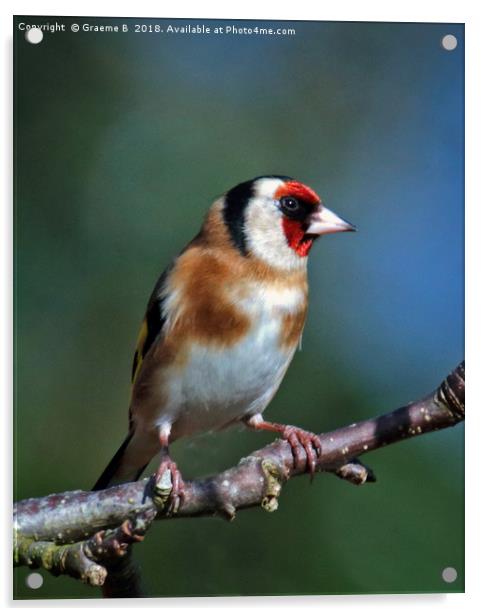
point(265, 236)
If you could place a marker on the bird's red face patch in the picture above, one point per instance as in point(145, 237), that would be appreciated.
point(294, 221)
point(295, 236)
point(298, 191)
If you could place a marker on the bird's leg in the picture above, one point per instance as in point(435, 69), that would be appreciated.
point(296, 437)
point(177, 492)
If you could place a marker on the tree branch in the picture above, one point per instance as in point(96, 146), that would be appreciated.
point(43, 527)
point(106, 552)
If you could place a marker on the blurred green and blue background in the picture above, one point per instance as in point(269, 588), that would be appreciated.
point(121, 143)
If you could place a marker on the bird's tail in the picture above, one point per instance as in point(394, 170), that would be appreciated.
point(127, 464)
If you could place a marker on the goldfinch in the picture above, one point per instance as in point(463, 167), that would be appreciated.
point(222, 325)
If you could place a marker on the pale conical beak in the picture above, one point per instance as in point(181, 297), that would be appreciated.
point(325, 221)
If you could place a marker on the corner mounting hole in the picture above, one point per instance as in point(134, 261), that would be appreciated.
point(34, 581)
point(449, 42)
point(34, 36)
point(449, 575)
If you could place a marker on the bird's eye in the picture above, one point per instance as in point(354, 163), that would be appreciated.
point(289, 205)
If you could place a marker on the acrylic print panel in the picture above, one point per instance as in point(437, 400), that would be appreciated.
point(126, 130)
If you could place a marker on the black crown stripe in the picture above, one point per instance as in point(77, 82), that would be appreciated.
point(235, 205)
